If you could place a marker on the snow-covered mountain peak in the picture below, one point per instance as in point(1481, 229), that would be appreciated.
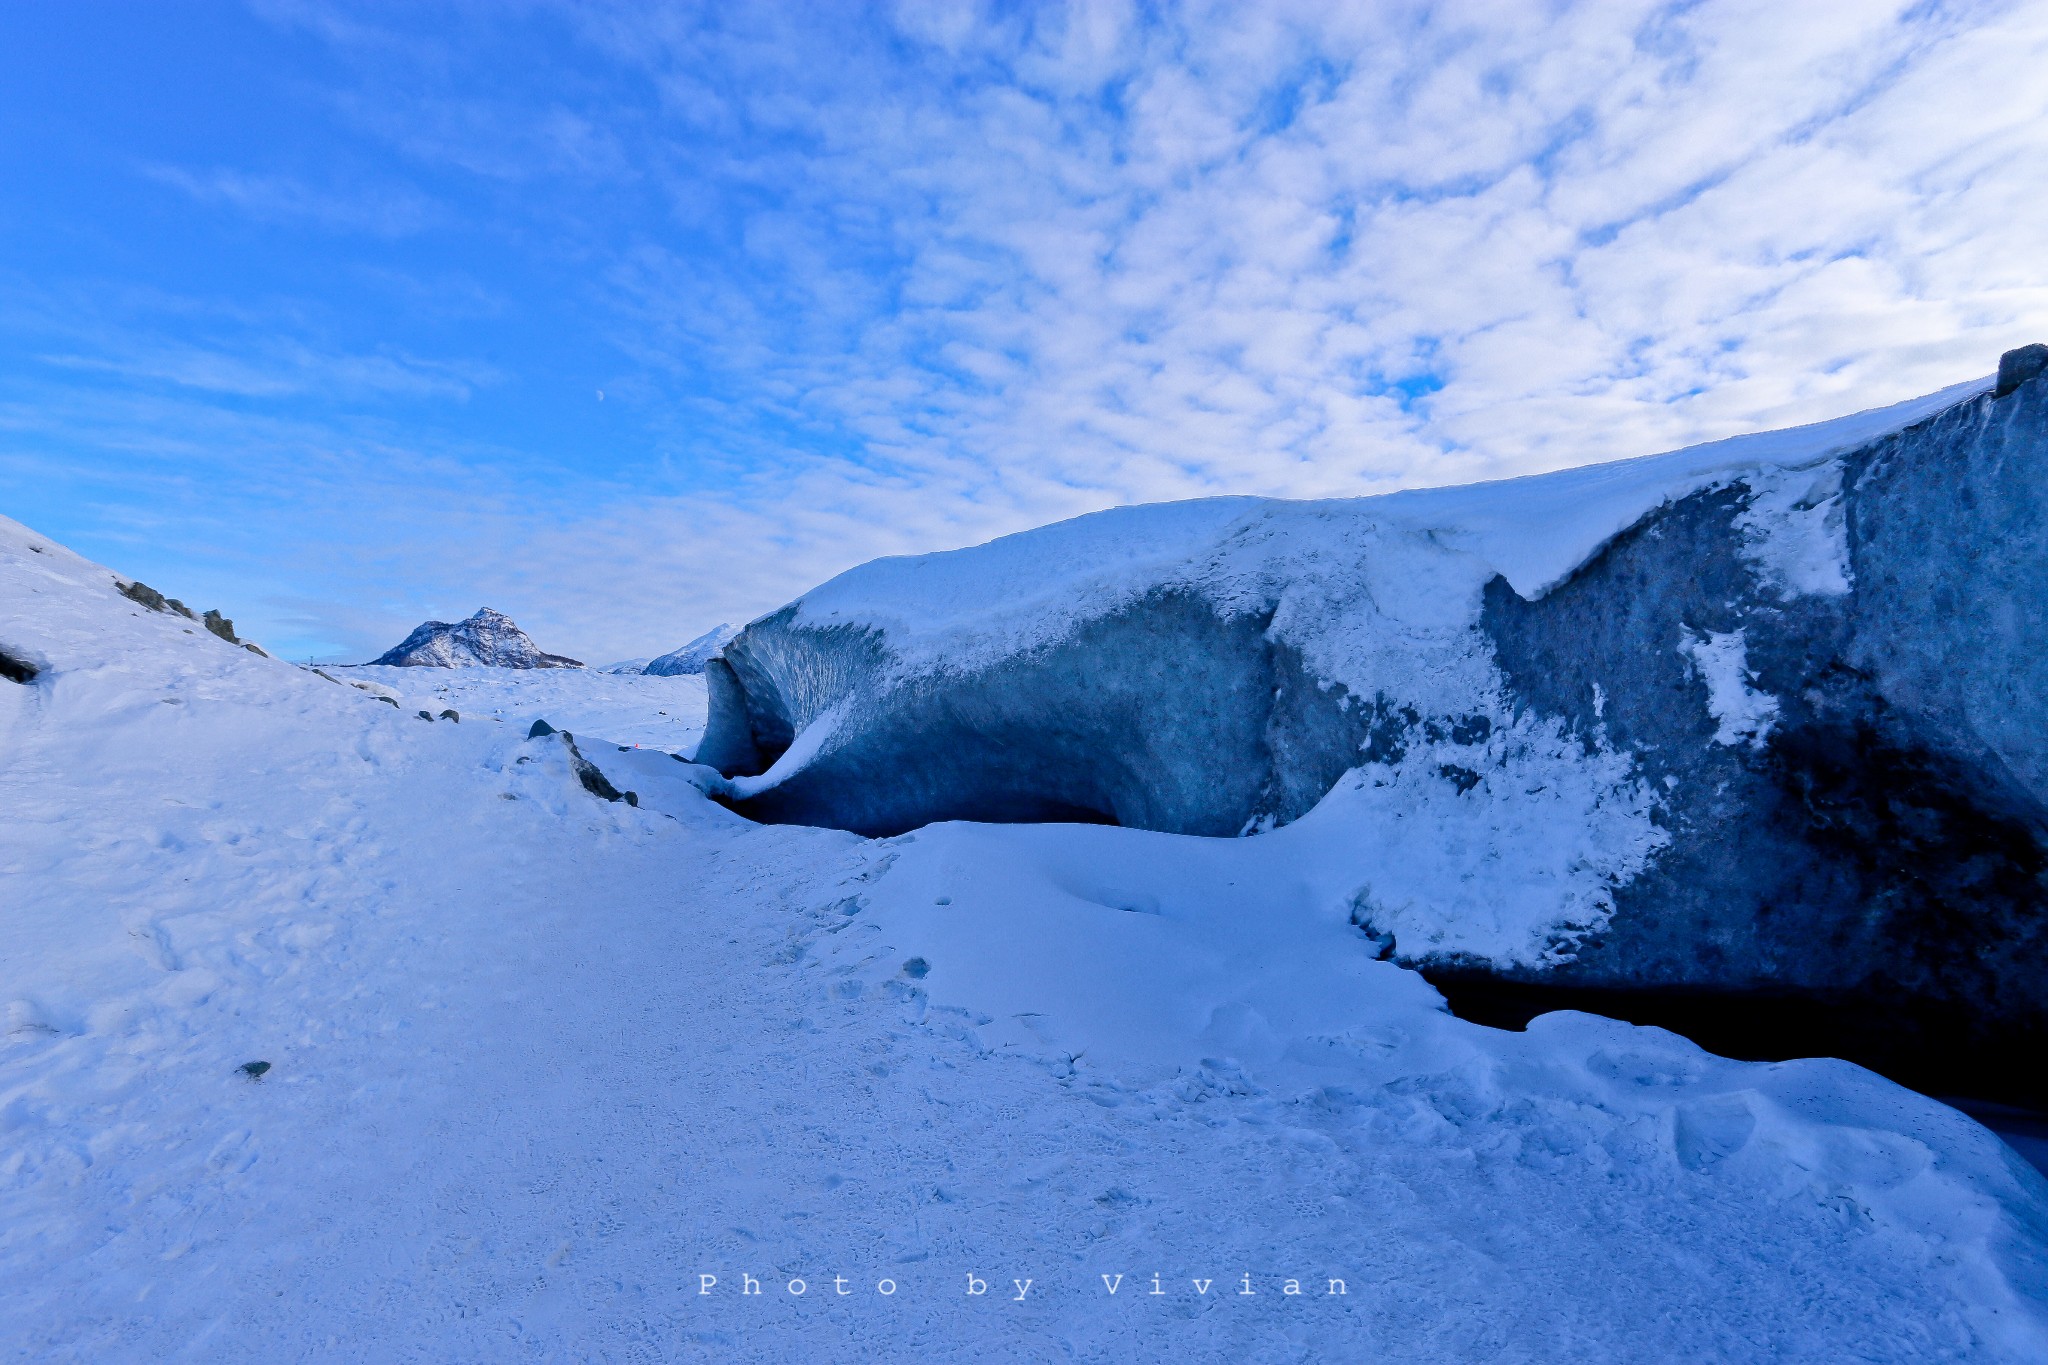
point(692, 657)
point(489, 639)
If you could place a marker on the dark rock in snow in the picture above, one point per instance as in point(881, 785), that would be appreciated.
point(451, 714)
point(593, 779)
point(14, 668)
point(488, 639)
point(145, 596)
point(587, 773)
point(253, 1070)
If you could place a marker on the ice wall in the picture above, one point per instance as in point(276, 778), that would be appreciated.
point(1794, 683)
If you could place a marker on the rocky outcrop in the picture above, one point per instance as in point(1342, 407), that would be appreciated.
point(691, 658)
point(1815, 682)
point(488, 639)
point(145, 596)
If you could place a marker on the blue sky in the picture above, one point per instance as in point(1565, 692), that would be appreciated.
point(306, 308)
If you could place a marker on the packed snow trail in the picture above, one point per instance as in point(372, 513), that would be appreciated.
point(540, 1062)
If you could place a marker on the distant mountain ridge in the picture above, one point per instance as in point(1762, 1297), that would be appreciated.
point(692, 657)
point(488, 639)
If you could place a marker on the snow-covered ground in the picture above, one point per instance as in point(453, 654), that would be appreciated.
point(556, 1078)
point(628, 708)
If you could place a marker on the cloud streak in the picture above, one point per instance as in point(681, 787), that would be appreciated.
point(382, 210)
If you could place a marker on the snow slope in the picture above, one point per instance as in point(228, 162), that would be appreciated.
point(540, 1062)
point(690, 658)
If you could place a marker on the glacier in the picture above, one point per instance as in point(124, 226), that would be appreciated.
point(1756, 730)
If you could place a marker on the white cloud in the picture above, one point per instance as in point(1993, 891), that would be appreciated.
point(383, 210)
point(1606, 231)
point(279, 369)
point(981, 267)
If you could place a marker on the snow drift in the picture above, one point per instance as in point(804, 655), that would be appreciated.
point(1764, 718)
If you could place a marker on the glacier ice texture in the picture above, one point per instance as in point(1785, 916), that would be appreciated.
point(1772, 712)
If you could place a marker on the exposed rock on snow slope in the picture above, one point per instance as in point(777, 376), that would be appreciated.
point(539, 1061)
point(692, 657)
point(143, 595)
point(488, 639)
point(631, 708)
point(1768, 716)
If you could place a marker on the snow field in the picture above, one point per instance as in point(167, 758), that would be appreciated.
point(540, 1062)
point(664, 713)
